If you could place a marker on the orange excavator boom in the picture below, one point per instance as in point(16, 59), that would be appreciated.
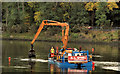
point(53, 23)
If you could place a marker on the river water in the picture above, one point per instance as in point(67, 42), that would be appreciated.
point(106, 57)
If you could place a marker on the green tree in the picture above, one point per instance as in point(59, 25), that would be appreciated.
point(100, 10)
point(78, 16)
point(114, 16)
point(14, 16)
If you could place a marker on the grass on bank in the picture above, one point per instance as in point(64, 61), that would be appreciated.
point(105, 36)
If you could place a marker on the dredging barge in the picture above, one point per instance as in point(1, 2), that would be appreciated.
point(65, 57)
point(71, 58)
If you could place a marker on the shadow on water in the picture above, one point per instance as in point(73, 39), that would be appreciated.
point(18, 51)
point(32, 65)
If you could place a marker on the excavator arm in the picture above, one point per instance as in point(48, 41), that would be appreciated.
point(53, 23)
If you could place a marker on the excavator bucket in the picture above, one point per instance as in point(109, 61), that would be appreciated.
point(31, 53)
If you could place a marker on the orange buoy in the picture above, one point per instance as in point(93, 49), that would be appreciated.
point(9, 59)
point(93, 50)
point(93, 66)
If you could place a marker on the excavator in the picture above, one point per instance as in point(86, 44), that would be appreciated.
point(51, 23)
point(66, 57)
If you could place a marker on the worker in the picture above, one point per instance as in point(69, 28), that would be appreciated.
point(90, 58)
point(52, 52)
point(56, 50)
point(80, 48)
point(75, 49)
point(59, 58)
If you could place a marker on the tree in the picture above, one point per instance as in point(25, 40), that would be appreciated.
point(90, 6)
point(114, 14)
point(78, 16)
point(101, 12)
point(100, 9)
point(103, 9)
point(14, 16)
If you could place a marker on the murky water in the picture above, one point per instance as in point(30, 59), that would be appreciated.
point(106, 57)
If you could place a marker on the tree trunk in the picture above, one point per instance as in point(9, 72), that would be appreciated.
point(23, 6)
point(93, 16)
point(56, 4)
point(18, 7)
point(6, 15)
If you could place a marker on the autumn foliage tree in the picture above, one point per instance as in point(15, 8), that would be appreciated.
point(24, 17)
point(99, 12)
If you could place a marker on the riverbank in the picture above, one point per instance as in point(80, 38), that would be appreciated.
point(86, 42)
point(94, 37)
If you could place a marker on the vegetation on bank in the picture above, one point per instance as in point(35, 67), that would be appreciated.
point(90, 35)
point(22, 19)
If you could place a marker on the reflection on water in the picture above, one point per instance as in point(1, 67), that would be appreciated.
point(34, 60)
point(53, 68)
point(18, 51)
point(108, 65)
point(32, 64)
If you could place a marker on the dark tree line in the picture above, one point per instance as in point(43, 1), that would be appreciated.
point(20, 17)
